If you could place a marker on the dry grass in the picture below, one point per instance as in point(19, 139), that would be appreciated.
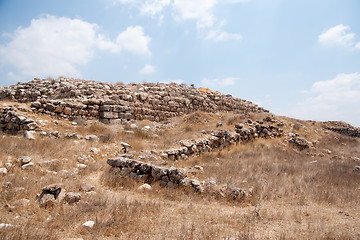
point(280, 173)
point(310, 194)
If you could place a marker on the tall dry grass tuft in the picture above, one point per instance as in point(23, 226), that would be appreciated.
point(27, 231)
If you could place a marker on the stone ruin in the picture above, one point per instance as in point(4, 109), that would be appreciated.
point(118, 103)
point(172, 177)
point(13, 122)
point(342, 128)
point(217, 140)
point(177, 177)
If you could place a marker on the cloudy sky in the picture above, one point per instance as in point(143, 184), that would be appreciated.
point(299, 58)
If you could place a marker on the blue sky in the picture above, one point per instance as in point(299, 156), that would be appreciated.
point(298, 58)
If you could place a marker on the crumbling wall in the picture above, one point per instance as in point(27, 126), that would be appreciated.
point(11, 121)
point(118, 103)
point(342, 128)
point(244, 132)
point(172, 177)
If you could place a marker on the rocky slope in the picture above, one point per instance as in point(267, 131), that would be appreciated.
point(226, 169)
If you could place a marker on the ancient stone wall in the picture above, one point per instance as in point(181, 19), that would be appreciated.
point(13, 122)
point(71, 98)
point(171, 177)
point(177, 177)
point(219, 139)
point(342, 128)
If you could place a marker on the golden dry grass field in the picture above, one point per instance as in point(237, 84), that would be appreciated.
point(309, 194)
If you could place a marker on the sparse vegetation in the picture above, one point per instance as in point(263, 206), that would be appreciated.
point(310, 194)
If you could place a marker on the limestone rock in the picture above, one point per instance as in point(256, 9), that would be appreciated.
point(81, 166)
point(3, 171)
point(89, 224)
point(53, 189)
point(23, 159)
point(91, 138)
point(27, 166)
point(46, 201)
point(71, 197)
point(95, 150)
point(125, 147)
point(5, 225)
point(29, 135)
point(145, 187)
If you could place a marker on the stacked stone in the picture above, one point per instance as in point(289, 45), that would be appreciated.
point(150, 173)
point(262, 129)
point(172, 177)
point(244, 132)
point(342, 128)
point(11, 121)
point(72, 98)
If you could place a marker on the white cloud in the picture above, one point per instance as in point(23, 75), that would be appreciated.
point(201, 11)
point(147, 7)
point(357, 45)
point(53, 46)
point(338, 35)
point(206, 21)
point(335, 99)
point(222, 36)
point(224, 82)
point(147, 69)
point(133, 40)
point(154, 7)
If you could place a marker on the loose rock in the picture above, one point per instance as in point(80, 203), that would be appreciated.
point(89, 224)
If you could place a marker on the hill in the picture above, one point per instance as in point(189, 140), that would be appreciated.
point(90, 160)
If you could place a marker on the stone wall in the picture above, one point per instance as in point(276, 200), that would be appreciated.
point(172, 177)
point(342, 128)
point(243, 133)
point(71, 98)
point(13, 122)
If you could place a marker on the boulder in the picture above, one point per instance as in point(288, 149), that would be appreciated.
point(29, 135)
point(91, 138)
point(158, 172)
point(23, 160)
point(145, 187)
point(53, 189)
point(95, 150)
point(46, 201)
point(125, 147)
point(88, 224)
point(177, 174)
point(3, 171)
point(27, 166)
point(118, 162)
point(71, 197)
